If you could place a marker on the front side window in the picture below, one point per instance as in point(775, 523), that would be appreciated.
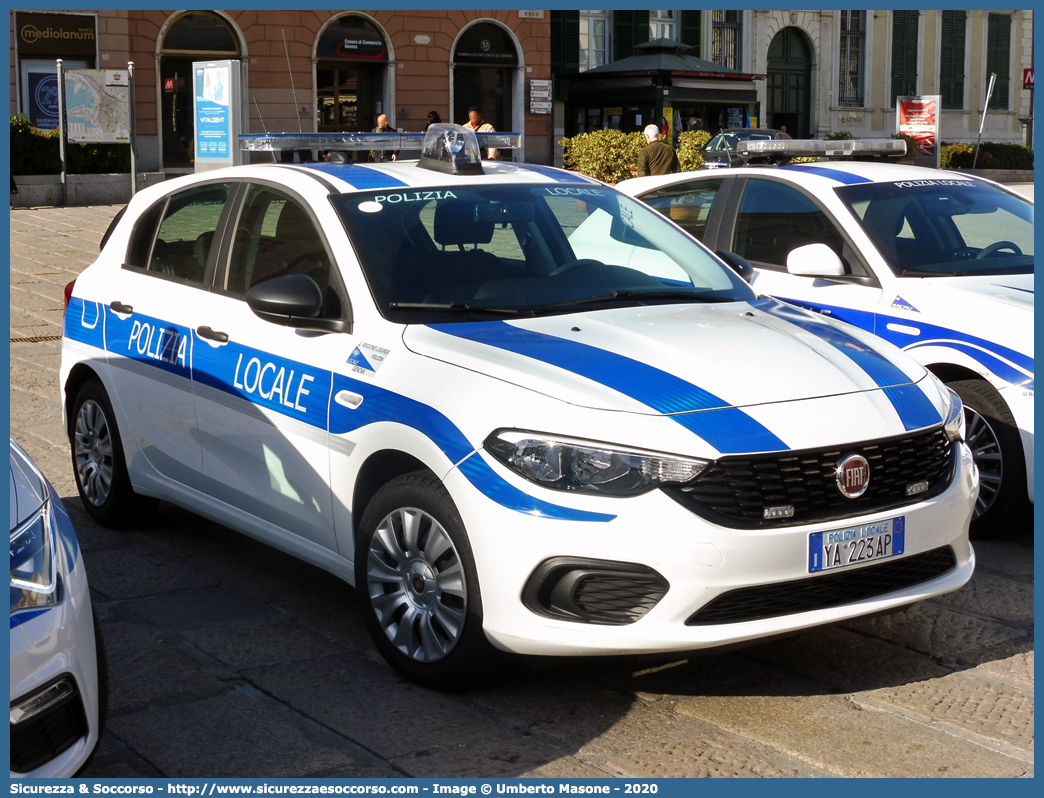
point(851, 50)
point(181, 246)
point(775, 218)
point(274, 236)
point(945, 227)
point(524, 250)
point(689, 205)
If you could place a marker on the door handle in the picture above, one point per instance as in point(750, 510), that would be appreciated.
point(118, 307)
point(212, 335)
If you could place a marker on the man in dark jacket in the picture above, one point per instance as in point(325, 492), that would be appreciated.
point(657, 157)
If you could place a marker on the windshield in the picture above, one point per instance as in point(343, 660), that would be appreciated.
point(729, 141)
point(524, 250)
point(950, 227)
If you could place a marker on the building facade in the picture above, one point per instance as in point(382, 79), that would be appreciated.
point(828, 71)
point(311, 71)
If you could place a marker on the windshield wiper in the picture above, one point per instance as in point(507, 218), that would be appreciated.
point(631, 296)
point(460, 307)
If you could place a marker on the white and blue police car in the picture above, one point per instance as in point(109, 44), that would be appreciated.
point(938, 263)
point(517, 409)
point(58, 671)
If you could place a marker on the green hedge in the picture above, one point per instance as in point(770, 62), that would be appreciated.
point(36, 152)
point(689, 144)
point(992, 155)
point(607, 155)
point(612, 155)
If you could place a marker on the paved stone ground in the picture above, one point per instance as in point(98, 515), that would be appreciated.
point(230, 659)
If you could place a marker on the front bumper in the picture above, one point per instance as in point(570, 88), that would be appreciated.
point(52, 644)
point(699, 560)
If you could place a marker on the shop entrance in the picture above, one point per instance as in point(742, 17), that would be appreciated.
point(196, 36)
point(345, 98)
point(485, 68)
point(789, 83)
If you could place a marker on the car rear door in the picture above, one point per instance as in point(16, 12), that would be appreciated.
point(263, 390)
point(150, 310)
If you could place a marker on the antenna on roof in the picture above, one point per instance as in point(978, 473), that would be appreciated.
point(264, 127)
point(293, 88)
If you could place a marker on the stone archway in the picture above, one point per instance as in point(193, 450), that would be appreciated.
point(789, 82)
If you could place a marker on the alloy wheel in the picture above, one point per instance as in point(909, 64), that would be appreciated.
point(416, 584)
point(92, 452)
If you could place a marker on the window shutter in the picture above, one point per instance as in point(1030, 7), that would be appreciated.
point(565, 42)
point(998, 59)
point(690, 29)
point(904, 53)
point(629, 28)
point(951, 73)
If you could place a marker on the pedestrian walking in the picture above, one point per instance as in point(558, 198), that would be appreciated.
point(657, 157)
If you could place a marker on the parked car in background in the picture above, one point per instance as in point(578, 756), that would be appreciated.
point(720, 151)
point(938, 263)
point(58, 669)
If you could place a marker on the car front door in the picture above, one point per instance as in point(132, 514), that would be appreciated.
point(774, 218)
point(149, 314)
point(263, 390)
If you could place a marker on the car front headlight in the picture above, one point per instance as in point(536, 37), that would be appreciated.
point(587, 466)
point(34, 577)
point(954, 427)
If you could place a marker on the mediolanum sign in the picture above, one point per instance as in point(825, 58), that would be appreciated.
point(56, 34)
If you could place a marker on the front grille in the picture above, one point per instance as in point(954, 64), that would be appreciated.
point(824, 590)
point(593, 591)
point(734, 491)
point(40, 738)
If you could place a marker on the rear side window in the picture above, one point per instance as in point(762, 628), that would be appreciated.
point(187, 224)
point(142, 236)
point(774, 219)
point(687, 204)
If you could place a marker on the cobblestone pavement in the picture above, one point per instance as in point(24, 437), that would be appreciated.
point(230, 659)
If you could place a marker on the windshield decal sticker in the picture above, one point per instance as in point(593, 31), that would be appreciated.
point(561, 191)
point(414, 196)
point(922, 183)
point(902, 304)
point(367, 358)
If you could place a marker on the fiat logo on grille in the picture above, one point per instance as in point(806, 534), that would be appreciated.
point(853, 476)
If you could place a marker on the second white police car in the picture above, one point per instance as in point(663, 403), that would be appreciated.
point(937, 262)
point(516, 408)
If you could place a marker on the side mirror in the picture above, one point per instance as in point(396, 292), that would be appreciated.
point(739, 264)
point(293, 300)
point(815, 260)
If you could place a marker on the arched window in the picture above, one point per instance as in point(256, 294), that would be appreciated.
point(485, 63)
point(194, 36)
point(350, 75)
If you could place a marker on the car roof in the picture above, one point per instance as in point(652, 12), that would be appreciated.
point(821, 174)
point(352, 177)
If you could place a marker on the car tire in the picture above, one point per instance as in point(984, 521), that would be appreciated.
point(993, 437)
point(417, 584)
point(99, 466)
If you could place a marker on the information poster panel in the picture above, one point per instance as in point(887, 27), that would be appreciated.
point(97, 106)
point(217, 111)
point(918, 117)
